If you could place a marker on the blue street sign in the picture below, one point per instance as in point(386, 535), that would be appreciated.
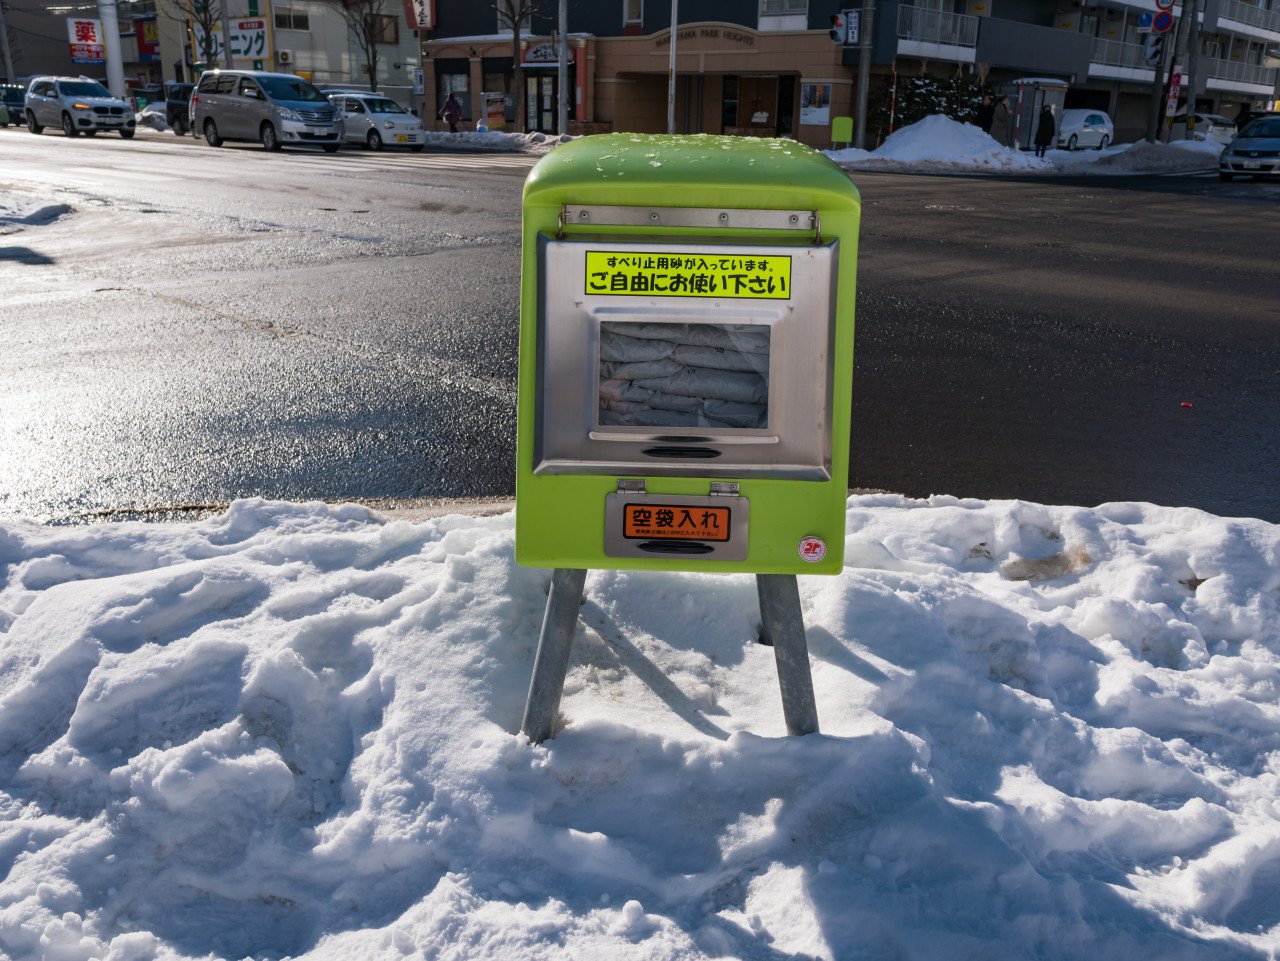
point(1162, 22)
point(1144, 20)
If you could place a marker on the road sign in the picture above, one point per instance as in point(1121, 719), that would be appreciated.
point(1175, 87)
point(1162, 22)
point(1164, 4)
point(1144, 20)
point(85, 40)
point(852, 27)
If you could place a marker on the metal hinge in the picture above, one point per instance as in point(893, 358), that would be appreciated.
point(579, 215)
point(724, 488)
point(631, 486)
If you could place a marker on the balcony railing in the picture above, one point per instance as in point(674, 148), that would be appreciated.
point(1113, 53)
point(1251, 14)
point(1238, 72)
point(933, 26)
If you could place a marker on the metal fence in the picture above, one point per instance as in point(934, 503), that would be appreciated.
point(1113, 53)
point(1253, 14)
point(1242, 72)
point(933, 26)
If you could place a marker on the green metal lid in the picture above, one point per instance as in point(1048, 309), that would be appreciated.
point(668, 170)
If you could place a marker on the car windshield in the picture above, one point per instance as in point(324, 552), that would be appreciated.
point(83, 88)
point(384, 105)
point(1265, 127)
point(293, 89)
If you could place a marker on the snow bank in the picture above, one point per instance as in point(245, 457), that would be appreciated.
point(289, 731)
point(495, 140)
point(939, 143)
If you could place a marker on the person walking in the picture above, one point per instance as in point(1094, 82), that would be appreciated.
point(1001, 128)
point(451, 112)
point(986, 114)
point(1046, 130)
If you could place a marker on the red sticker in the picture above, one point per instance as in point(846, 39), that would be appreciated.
point(813, 549)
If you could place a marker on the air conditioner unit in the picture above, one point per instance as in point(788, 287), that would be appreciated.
point(285, 57)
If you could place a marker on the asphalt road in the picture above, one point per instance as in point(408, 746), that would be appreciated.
point(204, 324)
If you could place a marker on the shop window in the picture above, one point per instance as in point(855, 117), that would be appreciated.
point(632, 12)
point(386, 29)
point(292, 18)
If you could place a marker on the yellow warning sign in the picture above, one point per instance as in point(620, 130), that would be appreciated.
point(669, 274)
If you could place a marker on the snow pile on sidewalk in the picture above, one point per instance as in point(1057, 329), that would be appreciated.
point(289, 731)
point(495, 140)
point(939, 143)
point(18, 211)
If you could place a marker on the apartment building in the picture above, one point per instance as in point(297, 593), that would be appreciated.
point(768, 67)
point(308, 37)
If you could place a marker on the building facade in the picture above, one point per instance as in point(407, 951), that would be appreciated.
point(769, 67)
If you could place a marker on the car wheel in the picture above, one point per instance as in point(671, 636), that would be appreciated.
point(331, 147)
point(416, 148)
point(211, 133)
point(374, 140)
point(268, 137)
point(1104, 142)
point(69, 126)
point(180, 128)
point(126, 134)
point(31, 123)
point(1226, 177)
point(1072, 142)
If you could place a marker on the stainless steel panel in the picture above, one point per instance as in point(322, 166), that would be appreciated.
point(616, 544)
point(797, 440)
point(722, 217)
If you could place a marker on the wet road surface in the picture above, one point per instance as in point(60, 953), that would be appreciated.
point(205, 324)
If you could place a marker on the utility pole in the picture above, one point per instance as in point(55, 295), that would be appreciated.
point(1190, 80)
point(1157, 95)
point(864, 72)
point(9, 73)
point(111, 47)
point(671, 69)
point(562, 71)
point(226, 34)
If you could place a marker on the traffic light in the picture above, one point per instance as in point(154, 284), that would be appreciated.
point(837, 29)
point(1153, 49)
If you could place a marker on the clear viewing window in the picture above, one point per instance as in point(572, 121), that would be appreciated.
point(712, 376)
point(632, 11)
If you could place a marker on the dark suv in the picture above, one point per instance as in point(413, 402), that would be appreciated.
point(11, 95)
point(177, 106)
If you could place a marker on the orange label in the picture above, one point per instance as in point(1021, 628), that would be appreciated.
point(673, 522)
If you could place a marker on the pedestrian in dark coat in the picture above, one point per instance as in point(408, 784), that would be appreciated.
point(1046, 130)
point(1001, 128)
point(986, 114)
point(451, 112)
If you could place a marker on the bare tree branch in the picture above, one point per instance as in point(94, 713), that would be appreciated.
point(512, 15)
point(365, 20)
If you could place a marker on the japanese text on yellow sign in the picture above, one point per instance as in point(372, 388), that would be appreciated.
point(652, 274)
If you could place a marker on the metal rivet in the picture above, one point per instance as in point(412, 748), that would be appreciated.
point(724, 217)
point(582, 215)
point(653, 216)
point(794, 218)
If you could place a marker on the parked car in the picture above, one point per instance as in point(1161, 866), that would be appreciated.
point(1085, 128)
point(1208, 126)
point(177, 104)
point(77, 104)
point(12, 96)
point(274, 109)
point(377, 121)
point(1255, 152)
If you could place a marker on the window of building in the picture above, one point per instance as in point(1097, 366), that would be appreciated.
point(777, 8)
point(292, 18)
point(632, 11)
point(386, 29)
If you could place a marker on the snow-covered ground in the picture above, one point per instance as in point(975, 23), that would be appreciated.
point(940, 144)
point(1048, 732)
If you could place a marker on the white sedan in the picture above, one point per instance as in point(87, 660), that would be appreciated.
point(1085, 128)
point(377, 121)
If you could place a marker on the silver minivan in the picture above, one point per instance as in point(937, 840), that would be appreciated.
point(275, 109)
